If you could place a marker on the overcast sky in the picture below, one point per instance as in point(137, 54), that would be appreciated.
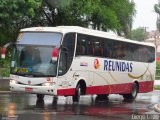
point(145, 15)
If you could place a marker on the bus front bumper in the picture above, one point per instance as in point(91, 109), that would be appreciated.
point(47, 90)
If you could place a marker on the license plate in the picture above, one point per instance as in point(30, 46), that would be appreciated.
point(28, 89)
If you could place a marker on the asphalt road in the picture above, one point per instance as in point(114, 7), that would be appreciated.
point(27, 107)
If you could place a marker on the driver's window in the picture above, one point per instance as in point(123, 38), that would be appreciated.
point(67, 53)
point(30, 56)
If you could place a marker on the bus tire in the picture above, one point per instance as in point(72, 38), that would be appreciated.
point(40, 96)
point(134, 92)
point(77, 95)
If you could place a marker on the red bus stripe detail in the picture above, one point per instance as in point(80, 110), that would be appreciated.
point(146, 86)
point(70, 91)
point(110, 89)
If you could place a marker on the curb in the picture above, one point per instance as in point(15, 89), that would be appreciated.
point(5, 92)
point(10, 92)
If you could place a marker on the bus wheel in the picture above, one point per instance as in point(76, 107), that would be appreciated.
point(133, 94)
point(40, 96)
point(76, 97)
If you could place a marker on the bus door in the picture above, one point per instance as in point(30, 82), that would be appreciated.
point(65, 61)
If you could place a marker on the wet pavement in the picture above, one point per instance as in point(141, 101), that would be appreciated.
point(27, 107)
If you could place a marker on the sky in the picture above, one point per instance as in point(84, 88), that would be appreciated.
point(145, 14)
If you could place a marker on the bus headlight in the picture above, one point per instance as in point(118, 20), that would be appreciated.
point(13, 81)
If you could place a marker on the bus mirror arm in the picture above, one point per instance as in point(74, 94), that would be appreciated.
point(4, 49)
point(64, 49)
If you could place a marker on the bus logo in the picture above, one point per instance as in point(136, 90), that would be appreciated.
point(96, 64)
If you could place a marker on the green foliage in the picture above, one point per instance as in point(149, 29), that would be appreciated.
point(157, 10)
point(158, 71)
point(156, 87)
point(105, 15)
point(138, 34)
point(14, 15)
point(5, 64)
point(125, 11)
point(5, 67)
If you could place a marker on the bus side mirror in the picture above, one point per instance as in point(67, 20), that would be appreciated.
point(55, 54)
point(3, 53)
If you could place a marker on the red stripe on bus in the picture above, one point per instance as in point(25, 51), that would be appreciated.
point(69, 91)
point(146, 86)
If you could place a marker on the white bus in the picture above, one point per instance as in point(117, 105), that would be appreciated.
point(74, 61)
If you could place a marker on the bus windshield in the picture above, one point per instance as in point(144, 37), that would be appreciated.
point(35, 58)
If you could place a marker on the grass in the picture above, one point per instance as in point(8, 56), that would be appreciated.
point(157, 78)
point(157, 87)
point(4, 72)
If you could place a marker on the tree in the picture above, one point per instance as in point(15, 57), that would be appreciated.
point(16, 14)
point(115, 15)
point(125, 11)
point(157, 10)
point(104, 15)
point(138, 34)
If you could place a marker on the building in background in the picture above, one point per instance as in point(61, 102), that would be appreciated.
point(154, 37)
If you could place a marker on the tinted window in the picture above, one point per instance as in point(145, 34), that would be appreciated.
point(103, 47)
point(96, 44)
point(83, 45)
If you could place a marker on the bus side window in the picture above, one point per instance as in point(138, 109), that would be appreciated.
point(92, 50)
point(96, 46)
point(78, 49)
point(151, 55)
point(113, 49)
point(106, 50)
point(83, 45)
point(136, 53)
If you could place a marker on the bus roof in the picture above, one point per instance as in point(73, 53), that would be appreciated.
point(77, 29)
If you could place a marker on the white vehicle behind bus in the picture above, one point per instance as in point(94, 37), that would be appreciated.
point(74, 61)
